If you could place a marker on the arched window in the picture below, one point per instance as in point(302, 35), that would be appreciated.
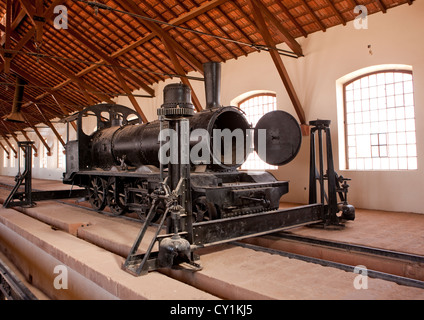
point(255, 106)
point(380, 121)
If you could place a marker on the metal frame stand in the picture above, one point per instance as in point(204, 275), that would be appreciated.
point(28, 196)
point(327, 194)
point(25, 198)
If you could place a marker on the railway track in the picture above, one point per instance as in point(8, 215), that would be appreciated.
point(400, 267)
point(374, 261)
point(11, 287)
point(344, 256)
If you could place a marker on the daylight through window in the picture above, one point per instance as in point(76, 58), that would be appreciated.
point(255, 107)
point(380, 122)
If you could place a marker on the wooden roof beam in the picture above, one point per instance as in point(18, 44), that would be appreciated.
point(65, 113)
point(9, 144)
point(244, 34)
point(21, 15)
point(38, 134)
point(28, 36)
point(117, 69)
point(80, 82)
point(99, 52)
point(338, 14)
point(5, 150)
point(292, 19)
point(57, 66)
point(381, 5)
point(30, 79)
point(313, 15)
point(177, 21)
point(29, 9)
point(51, 126)
point(224, 43)
point(28, 139)
point(179, 70)
point(288, 38)
point(7, 55)
point(132, 7)
point(11, 133)
point(263, 30)
point(129, 93)
point(39, 21)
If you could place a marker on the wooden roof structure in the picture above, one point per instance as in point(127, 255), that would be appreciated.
point(113, 47)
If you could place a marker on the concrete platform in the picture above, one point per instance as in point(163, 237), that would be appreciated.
point(93, 273)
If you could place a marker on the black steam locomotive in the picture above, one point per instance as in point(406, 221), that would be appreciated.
point(119, 163)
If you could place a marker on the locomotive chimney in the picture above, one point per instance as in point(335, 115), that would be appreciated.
point(212, 71)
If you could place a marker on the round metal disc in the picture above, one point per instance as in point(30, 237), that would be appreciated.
point(281, 134)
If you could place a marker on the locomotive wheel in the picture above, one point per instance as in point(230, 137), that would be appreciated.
point(96, 193)
point(204, 210)
point(115, 199)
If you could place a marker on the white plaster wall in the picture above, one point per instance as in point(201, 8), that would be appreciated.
point(52, 172)
point(395, 38)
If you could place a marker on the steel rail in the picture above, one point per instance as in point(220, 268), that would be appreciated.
point(371, 273)
point(11, 288)
point(350, 247)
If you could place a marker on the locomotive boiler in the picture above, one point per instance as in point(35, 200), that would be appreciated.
point(199, 193)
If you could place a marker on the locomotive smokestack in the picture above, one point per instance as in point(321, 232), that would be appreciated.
point(212, 71)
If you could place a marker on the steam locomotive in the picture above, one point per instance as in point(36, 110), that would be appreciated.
point(119, 163)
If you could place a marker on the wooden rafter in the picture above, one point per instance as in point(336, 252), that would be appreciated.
point(277, 59)
point(381, 5)
point(7, 55)
point(11, 133)
point(183, 18)
point(129, 52)
point(129, 93)
point(96, 50)
point(117, 70)
point(30, 33)
point(5, 150)
point(28, 139)
point(51, 126)
point(280, 3)
point(179, 69)
point(338, 14)
point(39, 21)
point(173, 48)
point(30, 79)
point(161, 33)
point(65, 113)
point(9, 144)
point(291, 42)
point(29, 9)
point(40, 137)
point(25, 43)
point(313, 15)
